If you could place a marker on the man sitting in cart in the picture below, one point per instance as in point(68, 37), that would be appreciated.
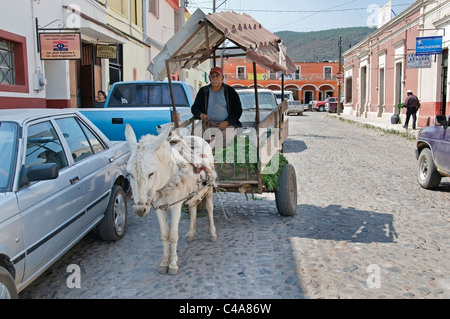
point(219, 107)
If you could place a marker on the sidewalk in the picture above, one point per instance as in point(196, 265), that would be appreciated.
point(381, 123)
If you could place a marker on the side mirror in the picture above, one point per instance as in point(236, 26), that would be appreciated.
point(38, 172)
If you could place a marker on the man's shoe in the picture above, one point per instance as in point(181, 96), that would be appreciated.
point(404, 126)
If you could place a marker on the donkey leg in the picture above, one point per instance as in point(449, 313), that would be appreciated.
point(210, 209)
point(193, 221)
point(175, 213)
point(164, 229)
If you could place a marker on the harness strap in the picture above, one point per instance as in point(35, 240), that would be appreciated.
point(185, 199)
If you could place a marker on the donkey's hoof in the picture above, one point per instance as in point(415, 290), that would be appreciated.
point(163, 269)
point(189, 238)
point(173, 270)
point(213, 237)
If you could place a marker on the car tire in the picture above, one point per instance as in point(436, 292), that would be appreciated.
point(427, 174)
point(321, 109)
point(8, 288)
point(286, 195)
point(113, 225)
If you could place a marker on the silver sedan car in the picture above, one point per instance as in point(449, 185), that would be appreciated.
point(60, 178)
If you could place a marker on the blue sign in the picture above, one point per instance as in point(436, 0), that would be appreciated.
point(429, 45)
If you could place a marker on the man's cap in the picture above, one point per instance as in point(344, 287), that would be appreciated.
point(409, 91)
point(217, 70)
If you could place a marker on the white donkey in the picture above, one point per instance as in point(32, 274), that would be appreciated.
point(167, 175)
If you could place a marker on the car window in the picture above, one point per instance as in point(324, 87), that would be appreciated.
point(8, 152)
point(265, 100)
point(44, 146)
point(144, 94)
point(82, 143)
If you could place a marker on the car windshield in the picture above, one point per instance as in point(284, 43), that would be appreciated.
point(265, 99)
point(8, 152)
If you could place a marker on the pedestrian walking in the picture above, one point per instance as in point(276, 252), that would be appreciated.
point(412, 104)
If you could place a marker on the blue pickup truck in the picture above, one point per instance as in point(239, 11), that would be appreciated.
point(143, 104)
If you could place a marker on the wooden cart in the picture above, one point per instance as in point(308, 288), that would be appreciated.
point(198, 41)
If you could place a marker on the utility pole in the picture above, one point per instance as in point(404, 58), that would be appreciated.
point(341, 78)
point(181, 16)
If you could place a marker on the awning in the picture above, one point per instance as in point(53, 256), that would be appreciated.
point(203, 34)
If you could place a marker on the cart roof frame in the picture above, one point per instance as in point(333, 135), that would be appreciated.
point(203, 34)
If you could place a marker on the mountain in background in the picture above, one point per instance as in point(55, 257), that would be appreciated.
point(319, 46)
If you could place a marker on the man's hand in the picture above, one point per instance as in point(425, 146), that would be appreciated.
point(223, 125)
point(204, 117)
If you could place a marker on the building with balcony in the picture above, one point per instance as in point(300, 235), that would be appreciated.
point(311, 81)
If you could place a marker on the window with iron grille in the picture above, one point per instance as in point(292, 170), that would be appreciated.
point(6, 63)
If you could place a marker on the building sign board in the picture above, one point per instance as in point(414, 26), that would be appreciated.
point(107, 51)
point(60, 46)
point(414, 61)
point(429, 45)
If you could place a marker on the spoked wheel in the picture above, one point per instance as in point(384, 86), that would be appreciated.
point(286, 195)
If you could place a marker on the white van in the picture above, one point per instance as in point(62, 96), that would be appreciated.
point(287, 96)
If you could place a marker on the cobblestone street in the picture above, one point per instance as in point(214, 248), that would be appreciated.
point(364, 228)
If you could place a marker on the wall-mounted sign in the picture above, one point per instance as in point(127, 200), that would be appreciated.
point(60, 46)
point(414, 61)
point(107, 51)
point(429, 45)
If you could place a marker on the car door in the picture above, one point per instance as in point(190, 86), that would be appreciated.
point(92, 159)
point(442, 149)
point(50, 209)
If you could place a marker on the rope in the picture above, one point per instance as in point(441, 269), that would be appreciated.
point(184, 199)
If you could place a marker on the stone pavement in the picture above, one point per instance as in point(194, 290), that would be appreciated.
point(364, 228)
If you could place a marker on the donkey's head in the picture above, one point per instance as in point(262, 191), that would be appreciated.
point(148, 166)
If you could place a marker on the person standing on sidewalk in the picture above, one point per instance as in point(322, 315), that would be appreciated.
point(412, 104)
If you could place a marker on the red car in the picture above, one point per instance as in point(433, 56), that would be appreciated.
point(331, 104)
point(318, 106)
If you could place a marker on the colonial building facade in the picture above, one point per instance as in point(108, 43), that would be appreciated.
point(380, 69)
point(136, 30)
point(311, 81)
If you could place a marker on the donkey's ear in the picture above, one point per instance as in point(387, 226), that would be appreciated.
point(162, 137)
point(130, 136)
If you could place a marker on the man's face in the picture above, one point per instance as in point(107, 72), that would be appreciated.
point(216, 80)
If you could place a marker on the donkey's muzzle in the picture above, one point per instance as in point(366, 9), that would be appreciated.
point(141, 210)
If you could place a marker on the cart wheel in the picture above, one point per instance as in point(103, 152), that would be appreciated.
point(286, 195)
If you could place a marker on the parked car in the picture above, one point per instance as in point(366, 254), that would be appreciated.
point(433, 153)
point(288, 95)
point(331, 104)
point(60, 178)
point(266, 100)
point(318, 106)
point(295, 107)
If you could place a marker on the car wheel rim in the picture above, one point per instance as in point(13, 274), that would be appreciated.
point(423, 169)
point(4, 292)
point(119, 213)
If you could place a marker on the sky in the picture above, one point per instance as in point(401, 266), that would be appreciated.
point(305, 16)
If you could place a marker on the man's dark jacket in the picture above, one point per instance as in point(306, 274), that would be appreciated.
point(231, 97)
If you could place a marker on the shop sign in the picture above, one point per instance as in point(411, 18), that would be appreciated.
point(60, 46)
point(107, 51)
point(429, 45)
point(414, 61)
